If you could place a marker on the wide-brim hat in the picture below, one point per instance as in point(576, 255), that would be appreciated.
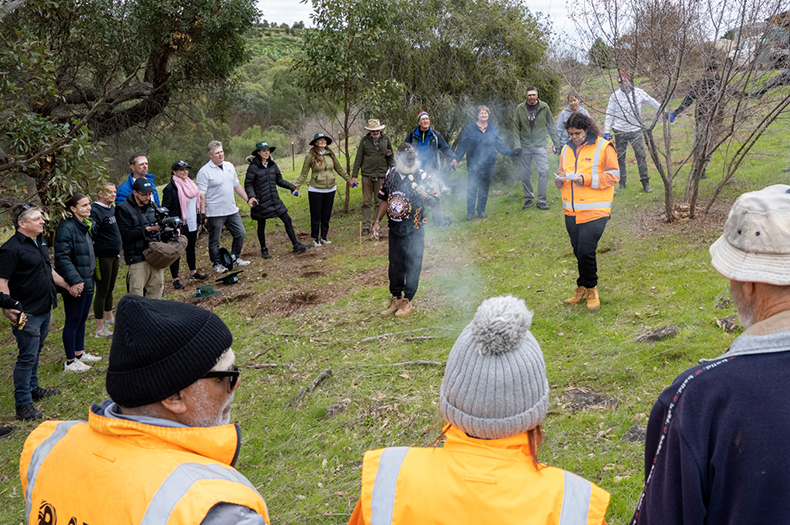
point(203, 292)
point(230, 278)
point(321, 136)
point(755, 245)
point(374, 125)
point(225, 258)
point(263, 145)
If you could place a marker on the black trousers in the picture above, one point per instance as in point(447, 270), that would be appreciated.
point(584, 239)
point(477, 186)
point(289, 229)
point(405, 256)
point(103, 288)
point(191, 243)
point(320, 212)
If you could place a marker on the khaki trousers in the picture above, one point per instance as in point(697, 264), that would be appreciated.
point(143, 276)
point(370, 198)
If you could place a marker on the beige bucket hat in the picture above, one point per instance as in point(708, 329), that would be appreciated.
point(755, 245)
point(374, 125)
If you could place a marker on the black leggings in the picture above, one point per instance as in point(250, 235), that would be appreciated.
point(108, 271)
point(584, 239)
point(320, 212)
point(289, 229)
point(191, 242)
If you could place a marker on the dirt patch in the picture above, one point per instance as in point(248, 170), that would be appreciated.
point(583, 398)
point(653, 221)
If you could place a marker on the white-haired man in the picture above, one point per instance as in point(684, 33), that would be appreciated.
point(216, 181)
point(161, 449)
point(717, 448)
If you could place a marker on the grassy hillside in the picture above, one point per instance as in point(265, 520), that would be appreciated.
point(293, 317)
point(274, 42)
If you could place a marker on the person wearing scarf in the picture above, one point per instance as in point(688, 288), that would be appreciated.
point(182, 198)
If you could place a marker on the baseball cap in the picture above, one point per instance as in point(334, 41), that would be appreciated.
point(143, 185)
point(180, 165)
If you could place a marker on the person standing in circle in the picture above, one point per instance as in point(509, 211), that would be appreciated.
point(587, 176)
point(182, 199)
point(107, 248)
point(76, 262)
point(320, 163)
point(263, 177)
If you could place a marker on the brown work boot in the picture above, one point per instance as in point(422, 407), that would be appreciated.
point(593, 301)
point(581, 293)
point(392, 307)
point(405, 309)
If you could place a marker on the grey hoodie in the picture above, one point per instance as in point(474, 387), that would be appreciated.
point(562, 119)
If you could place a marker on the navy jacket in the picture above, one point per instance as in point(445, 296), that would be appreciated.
point(481, 149)
point(106, 235)
point(435, 144)
point(725, 455)
point(74, 258)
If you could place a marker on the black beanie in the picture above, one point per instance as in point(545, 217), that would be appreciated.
point(161, 347)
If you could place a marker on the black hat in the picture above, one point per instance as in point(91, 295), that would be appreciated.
point(226, 259)
point(321, 136)
point(143, 185)
point(180, 165)
point(229, 278)
point(161, 347)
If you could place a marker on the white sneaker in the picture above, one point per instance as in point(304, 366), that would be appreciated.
point(90, 358)
point(104, 332)
point(76, 366)
point(326, 241)
point(219, 268)
point(316, 243)
point(240, 262)
point(110, 322)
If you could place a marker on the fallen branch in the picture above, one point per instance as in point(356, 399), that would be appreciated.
point(422, 338)
point(320, 378)
point(259, 366)
point(373, 338)
point(295, 335)
point(404, 363)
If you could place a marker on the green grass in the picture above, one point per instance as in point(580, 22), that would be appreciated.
point(306, 463)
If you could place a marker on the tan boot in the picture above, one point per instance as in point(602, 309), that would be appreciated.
point(405, 309)
point(581, 293)
point(593, 301)
point(392, 307)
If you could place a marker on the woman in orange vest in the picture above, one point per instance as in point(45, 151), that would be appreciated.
point(494, 396)
point(587, 176)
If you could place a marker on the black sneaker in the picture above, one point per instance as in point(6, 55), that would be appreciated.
point(527, 204)
point(543, 207)
point(265, 253)
point(177, 284)
point(482, 215)
point(470, 216)
point(6, 431)
point(41, 393)
point(198, 277)
point(300, 248)
point(28, 412)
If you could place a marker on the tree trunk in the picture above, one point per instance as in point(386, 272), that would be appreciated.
point(348, 154)
point(666, 174)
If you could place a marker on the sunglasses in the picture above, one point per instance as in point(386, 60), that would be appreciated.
point(232, 374)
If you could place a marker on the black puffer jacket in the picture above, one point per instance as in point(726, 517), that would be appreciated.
point(132, 221)
point(262, 183)
point(74, 259)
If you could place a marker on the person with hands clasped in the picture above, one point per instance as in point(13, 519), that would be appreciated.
point(587, 176)
point(320, 163)
point(76, 262)
point(263, 177)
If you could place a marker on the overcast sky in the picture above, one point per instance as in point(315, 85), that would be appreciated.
point(290, 11)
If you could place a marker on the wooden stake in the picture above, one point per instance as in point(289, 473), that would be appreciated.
point(360, 238)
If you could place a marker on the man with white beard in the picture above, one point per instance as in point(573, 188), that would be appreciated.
point(717, 449)
point(404, 194)
point(161, 450)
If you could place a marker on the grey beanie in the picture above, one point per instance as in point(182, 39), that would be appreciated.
point(495, 383)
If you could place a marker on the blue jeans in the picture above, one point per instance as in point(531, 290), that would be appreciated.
point(30, 341)
point(77, 310)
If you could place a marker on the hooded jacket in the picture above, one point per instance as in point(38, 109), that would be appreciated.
point(74, 258)
point(535, 137)
point(262, 183)
point(436, 143)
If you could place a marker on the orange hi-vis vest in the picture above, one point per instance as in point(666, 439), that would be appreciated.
point(473, 481)
point(597, 163)
point(123, 472)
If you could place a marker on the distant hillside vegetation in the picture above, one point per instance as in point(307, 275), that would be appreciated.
point(274, 41)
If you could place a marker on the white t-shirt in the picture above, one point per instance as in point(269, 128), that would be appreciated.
point(217, 183)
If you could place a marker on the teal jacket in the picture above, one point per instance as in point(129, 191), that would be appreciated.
point(544, 123)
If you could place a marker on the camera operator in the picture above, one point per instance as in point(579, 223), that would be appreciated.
point(138, 224)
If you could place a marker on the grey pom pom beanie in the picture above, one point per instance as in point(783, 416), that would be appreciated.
point(495, 383)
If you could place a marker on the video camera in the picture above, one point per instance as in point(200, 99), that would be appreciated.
point(168, 226)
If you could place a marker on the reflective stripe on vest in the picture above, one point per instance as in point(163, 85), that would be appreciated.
point(595, 161)
point(179, 482)
point(38, 457)
point(382, 498)
point(586, 205)
point(575, 500)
